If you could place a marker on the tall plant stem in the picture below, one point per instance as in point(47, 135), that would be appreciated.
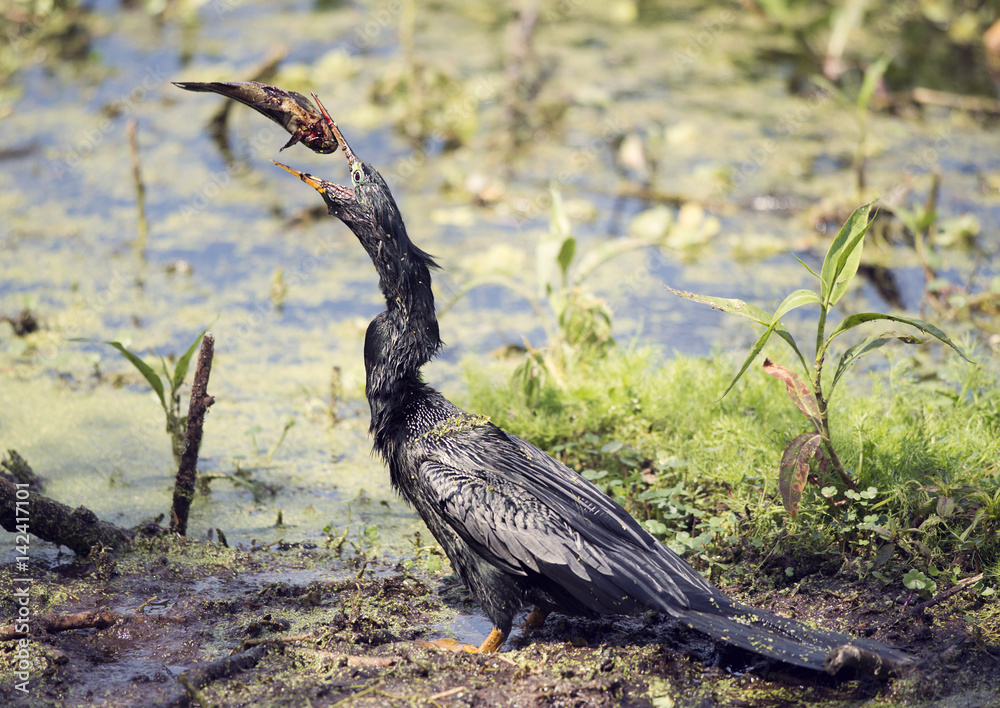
point(824, 419)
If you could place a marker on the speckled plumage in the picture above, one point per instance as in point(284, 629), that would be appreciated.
point(519, 527)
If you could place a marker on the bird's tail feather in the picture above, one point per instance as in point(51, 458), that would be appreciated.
point(793, 642)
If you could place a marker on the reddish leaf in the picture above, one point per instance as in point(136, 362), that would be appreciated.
point(794, 470)
point(798, 391)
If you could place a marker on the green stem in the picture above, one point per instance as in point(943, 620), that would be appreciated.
point(824, 419)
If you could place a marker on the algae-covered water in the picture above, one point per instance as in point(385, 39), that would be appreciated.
point(693, 101)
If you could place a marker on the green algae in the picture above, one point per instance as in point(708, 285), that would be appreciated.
point(461, 423)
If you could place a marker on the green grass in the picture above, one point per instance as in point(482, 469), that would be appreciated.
point(701, 472)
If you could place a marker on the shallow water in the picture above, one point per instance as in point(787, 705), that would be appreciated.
point(690, 80)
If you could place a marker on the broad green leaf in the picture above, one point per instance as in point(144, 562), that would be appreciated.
point(181, 369)
point(855, 320)
point(731, 305)
point(844, 256)
point(565, 256)
point(980, 513)
point(793, 301)
point(145, 369)
point(794, 470)
point(735, 306)
point(797, 390)
point(865, 347)
point(884, 553)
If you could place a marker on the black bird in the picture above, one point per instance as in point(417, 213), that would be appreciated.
point(520, 528)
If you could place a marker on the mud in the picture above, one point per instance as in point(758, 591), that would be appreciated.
point(312, 627)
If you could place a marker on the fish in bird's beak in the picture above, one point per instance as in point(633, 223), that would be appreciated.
point(289, 109)
point(335, 195)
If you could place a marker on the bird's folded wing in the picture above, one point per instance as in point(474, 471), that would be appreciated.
point(525, 512)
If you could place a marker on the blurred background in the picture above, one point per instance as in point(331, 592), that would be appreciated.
point(707, 146)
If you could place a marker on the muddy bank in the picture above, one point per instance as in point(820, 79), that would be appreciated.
point(304, 625)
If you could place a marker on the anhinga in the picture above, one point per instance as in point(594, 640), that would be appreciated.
point(520, 528)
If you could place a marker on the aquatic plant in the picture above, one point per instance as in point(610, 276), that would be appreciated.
point(167, 388)
point(812, 398)
point(577, 322)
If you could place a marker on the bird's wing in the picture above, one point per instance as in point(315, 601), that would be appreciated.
point(524, 511)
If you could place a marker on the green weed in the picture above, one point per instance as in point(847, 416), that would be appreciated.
point(812, 399)
point(655, 436)
point(167, 389)
point(577, 323)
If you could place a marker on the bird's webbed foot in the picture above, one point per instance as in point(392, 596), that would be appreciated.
point(535, 620)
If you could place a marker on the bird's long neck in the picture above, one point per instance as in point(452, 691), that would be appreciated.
point(403, 338)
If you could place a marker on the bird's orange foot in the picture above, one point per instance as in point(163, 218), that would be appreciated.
point(492, 644)
point(535, 620)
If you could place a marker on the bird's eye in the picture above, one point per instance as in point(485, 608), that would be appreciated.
point(357, 175)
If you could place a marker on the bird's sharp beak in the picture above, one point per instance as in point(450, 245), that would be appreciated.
point(331, 192)
point(345, 148)
point(318, 184)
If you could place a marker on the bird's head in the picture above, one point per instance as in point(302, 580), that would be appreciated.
point(368, 209)
point(366, 205)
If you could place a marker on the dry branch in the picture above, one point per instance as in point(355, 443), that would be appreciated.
point(200, 401)
point(52, 623)
point(205, 674)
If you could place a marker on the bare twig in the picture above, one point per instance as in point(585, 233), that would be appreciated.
point(16, 469)
point(973, 104)
point(201, 676)
point(942, 596)
point(374, 688)
point(53, 623)
point(140, 188)
point(447, 694)
point(265, 640)
point(187, 470)
point(939, 598)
